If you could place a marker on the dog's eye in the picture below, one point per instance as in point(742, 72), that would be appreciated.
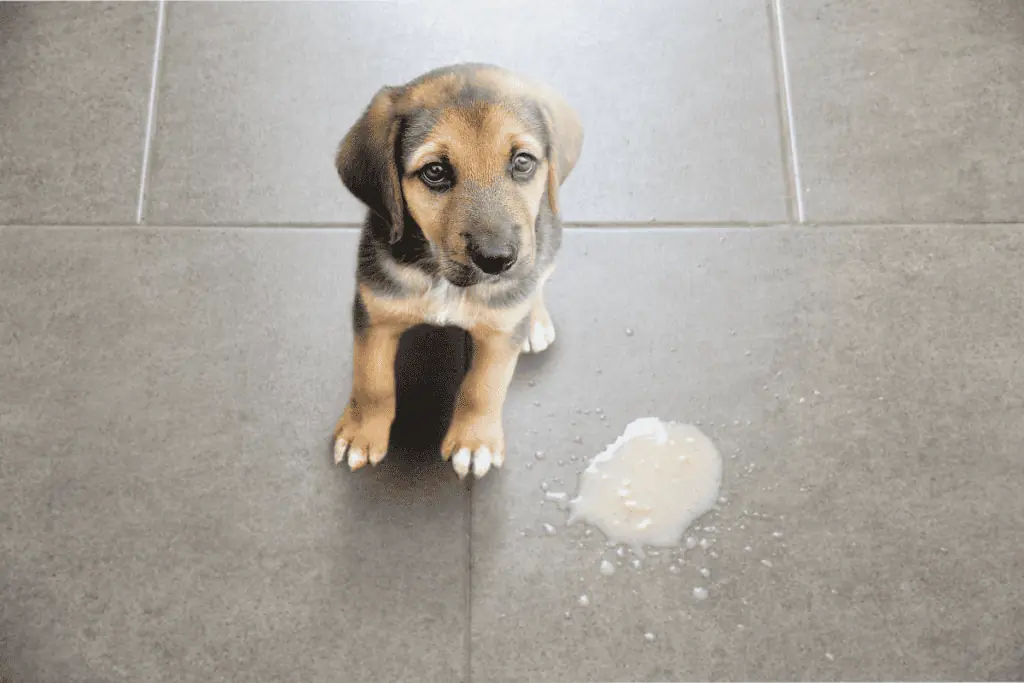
point(437, 175)
point(523, 165)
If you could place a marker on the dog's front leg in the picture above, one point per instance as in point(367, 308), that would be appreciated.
point(363, 430)
point(475, 438)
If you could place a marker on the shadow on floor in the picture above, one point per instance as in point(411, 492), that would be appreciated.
point(429, 369)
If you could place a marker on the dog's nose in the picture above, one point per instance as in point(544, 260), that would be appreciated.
point(492, 256)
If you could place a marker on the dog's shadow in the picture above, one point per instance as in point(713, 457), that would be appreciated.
point(429, 368)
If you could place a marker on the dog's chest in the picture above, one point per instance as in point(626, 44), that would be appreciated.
point(446, 304)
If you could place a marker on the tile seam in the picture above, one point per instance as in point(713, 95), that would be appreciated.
point(154, 82)
point(791, 158)
point(611, 226)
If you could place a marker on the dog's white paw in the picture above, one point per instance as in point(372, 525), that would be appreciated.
point(356, 457)
point(479, 461)
point(360, 443)
point(540, 336)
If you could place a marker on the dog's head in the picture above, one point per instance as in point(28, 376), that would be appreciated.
point(470, 153)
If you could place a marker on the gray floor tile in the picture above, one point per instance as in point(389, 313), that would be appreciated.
point(678, 99)
point(865, 388)
point(74, 91)
point(170, 511)
point(908, 111)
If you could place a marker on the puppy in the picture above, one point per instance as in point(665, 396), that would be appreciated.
point(460, 170)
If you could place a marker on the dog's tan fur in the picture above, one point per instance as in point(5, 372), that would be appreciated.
point(474, 119)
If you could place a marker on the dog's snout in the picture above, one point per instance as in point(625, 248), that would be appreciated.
point(493, 253)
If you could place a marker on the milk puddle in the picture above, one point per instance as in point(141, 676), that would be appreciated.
point(650, 485)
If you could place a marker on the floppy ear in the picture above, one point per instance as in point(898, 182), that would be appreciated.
point(565, 132)
point(366, 161)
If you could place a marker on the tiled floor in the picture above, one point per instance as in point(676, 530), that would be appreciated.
point(806, 212)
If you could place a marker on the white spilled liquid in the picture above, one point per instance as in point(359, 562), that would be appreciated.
point(650, 485)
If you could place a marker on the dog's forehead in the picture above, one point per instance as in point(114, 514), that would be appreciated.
point(457, 104)
point(463, 84)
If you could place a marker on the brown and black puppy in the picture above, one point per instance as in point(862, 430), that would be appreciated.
point(460, 170)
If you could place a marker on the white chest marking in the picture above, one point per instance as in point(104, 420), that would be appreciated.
point(444, 305)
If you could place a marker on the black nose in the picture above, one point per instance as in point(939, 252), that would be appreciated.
point(492, 256)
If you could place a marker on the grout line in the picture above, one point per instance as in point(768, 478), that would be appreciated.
point(673, 224)
point(791, 159)
point(584, 225)
point(571, 227)
point(785, 158)
point(468, 674)
point(467, 362)
point(151, 111)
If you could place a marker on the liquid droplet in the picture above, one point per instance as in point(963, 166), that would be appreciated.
point(674, 569)
point(543, 486)
point(532, 383)
point(691, 542)
point(777, 534)
point(539, 455)
point(649, 637)
point(584, 601)
point(629, 331)
point(607, 568)
point(705, 572)
point(549, 530)
point(636, 563)
point(700, 593)
point(767, 563)
point(830, 657)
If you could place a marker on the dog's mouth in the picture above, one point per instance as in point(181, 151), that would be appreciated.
point(462, 276)
point(460, 280)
